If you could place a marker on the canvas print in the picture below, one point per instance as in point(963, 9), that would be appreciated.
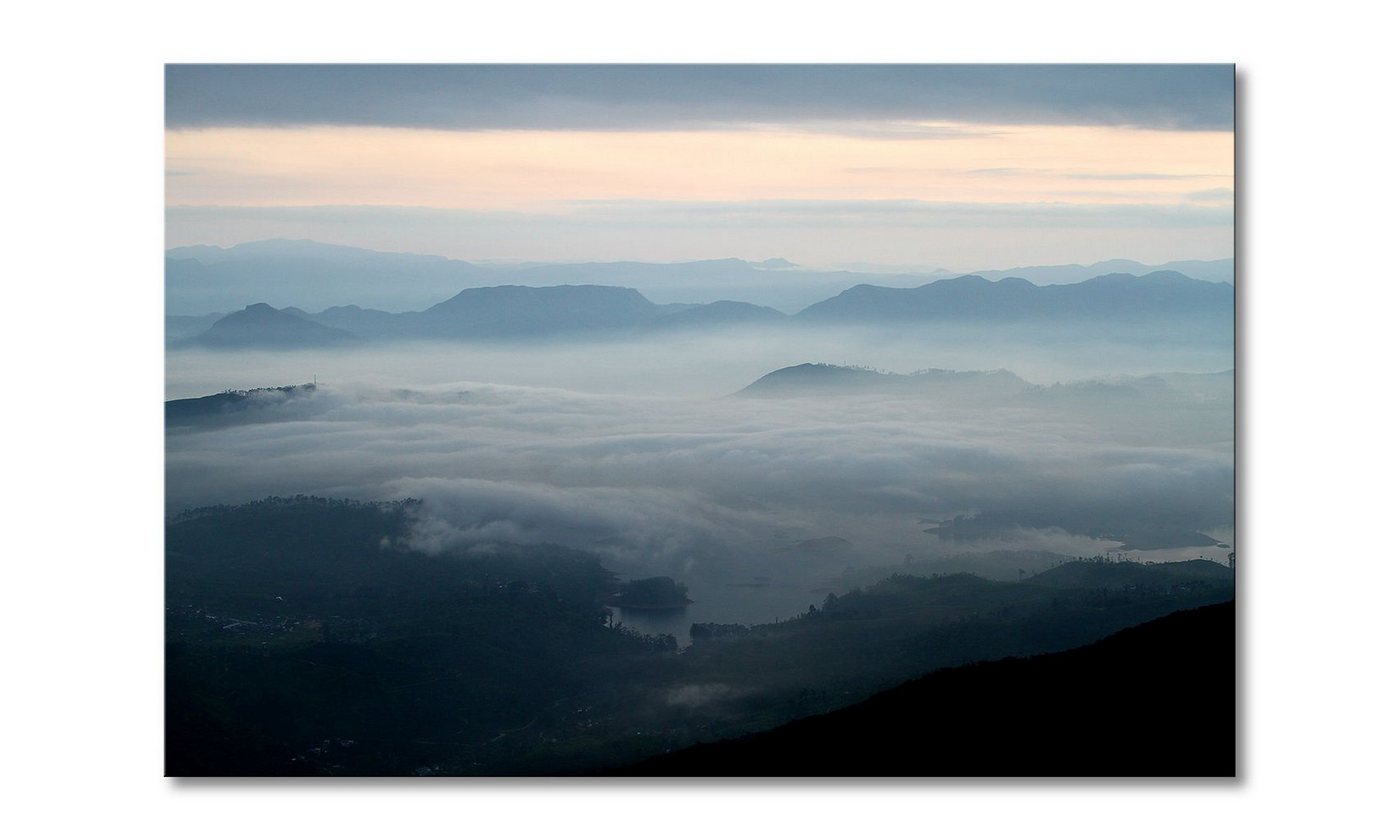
point(700, 420)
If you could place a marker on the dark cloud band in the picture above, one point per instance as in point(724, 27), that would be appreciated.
point(619, 97)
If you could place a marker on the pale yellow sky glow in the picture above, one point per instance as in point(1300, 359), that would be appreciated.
point(541, 171)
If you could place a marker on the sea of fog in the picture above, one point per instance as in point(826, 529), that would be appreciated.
point(636, 451)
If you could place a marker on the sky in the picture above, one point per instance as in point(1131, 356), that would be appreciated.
point(954, 166)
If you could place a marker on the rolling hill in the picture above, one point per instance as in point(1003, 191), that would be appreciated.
point(259, 325)
point(1153, 700)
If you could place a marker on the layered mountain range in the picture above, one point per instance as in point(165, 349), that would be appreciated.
point(1158, 302)
point(311, 275)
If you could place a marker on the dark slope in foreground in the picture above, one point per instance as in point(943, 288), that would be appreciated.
point(1153, 700)
point(231, 407)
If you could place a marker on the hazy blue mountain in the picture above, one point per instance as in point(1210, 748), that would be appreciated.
point(179, 327)
point(1111, 298)
point(1119, 392)
point(1149, 306)
point(1203, 387)
point(365, 323)
point(1198, 388)
point(504, 311)
point(507, 311)
point(314, 275)
point(1211, 271)
point(309, 274)
point(632, 272)
point(721, 312)
point(259, 325)
point(491, 312)
point(821, 379)
point(952, 298)
point(774, 283)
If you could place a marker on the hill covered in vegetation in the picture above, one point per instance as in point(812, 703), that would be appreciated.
point(307, 636)
point(1152, 700)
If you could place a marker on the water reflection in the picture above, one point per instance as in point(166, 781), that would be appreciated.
point(728, 600)
point(675, 621)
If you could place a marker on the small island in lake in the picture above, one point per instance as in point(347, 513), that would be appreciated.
point(656, 593)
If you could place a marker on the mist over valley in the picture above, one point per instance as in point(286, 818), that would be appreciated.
point(821, 502)
point(720, 419)
point(757, 459)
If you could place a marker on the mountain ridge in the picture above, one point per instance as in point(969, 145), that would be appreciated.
point(1161, 301)
point(260, 325)
point(970, 297)
point(315, 275)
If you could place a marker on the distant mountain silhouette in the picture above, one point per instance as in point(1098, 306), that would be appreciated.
point(259, 325)
point(1121, 303)
point(1211, 271)
point(1193, 388)
point(531, 310)
point(970, 299)
point(1154, 700)
point(179, 327)
point(366, 323)
point(816, 379)
point(311, 274)
point(314, 275)
point(720, 313)
point(631, 271)
point(775, 283)
point(492, 312)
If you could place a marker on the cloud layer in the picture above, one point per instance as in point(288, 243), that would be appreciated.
point(722, 487)
point(481, 97)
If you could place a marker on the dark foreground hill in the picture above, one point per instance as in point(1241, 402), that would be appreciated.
point(308, 636)
point(1153, 700)
point(259, 405)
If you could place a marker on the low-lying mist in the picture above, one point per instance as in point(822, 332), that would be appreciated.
point(638, 453)
point(703, 363)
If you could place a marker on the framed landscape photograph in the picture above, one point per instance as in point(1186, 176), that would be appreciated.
point(723, 420)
